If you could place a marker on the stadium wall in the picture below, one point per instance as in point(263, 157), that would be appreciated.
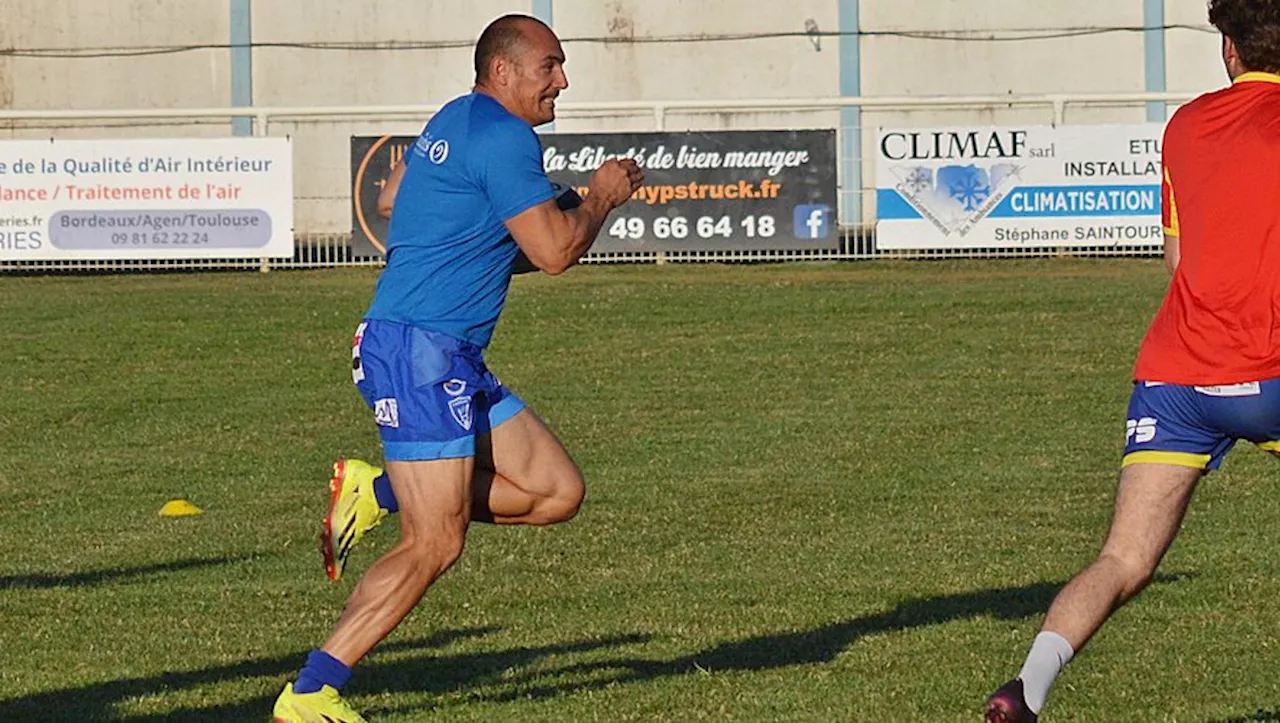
point(80, 54)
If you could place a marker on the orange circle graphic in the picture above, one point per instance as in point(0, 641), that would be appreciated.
point(355, 195)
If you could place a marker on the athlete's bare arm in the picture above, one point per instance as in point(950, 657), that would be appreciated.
point(1171, 253)
point(555, 240)
point(387, 196)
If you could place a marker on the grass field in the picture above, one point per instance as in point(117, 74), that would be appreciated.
point(815, 493)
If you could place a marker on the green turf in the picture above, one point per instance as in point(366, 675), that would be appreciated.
point(815, 493)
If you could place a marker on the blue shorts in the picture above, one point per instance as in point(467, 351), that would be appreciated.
point(430, 393)
point(1196, 426)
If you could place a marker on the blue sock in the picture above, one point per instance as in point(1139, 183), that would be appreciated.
point(321, 669)
point(385, 495)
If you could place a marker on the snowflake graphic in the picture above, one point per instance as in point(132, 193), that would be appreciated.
point(920, 179)
point(970, 190)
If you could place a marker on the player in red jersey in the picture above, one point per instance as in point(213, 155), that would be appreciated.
point(1208, 371)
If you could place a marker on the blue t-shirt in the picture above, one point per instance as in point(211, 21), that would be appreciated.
point(449, 255)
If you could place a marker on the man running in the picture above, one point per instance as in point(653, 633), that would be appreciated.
point(458, 445)
point(1208, 371)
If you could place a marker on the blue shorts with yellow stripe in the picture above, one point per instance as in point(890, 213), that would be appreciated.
point(1196, 426)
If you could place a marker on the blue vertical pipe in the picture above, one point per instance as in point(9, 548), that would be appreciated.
point(851, 116)
point(241, 65)
point(543, 11)
point(1153, 36)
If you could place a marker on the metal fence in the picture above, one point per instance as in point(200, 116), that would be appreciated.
point(327, 128)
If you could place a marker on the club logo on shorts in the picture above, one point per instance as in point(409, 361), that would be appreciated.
point(386, 413)
point(460, 408)
point(1140, 431)
point(454, 387)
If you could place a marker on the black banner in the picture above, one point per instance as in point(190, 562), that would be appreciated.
point(372, 158)
point(704, 191)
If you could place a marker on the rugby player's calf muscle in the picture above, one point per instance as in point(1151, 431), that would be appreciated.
point(553, 497)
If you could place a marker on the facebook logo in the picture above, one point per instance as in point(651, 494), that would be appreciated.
point(811, 220)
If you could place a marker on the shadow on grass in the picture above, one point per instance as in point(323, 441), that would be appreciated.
point(99, 577)
point(808, 647)
point(1260, 715)
point(489, 673)
point(423, 672)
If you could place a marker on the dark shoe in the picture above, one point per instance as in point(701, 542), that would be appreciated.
point(1007, 705)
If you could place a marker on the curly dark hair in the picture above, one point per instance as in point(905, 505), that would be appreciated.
point(1254, 26)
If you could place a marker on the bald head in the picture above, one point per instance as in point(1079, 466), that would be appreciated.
point(519, 62)
point(505, 37)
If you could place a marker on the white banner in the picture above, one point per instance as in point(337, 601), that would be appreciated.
point(146, 199)
point(1007, 187)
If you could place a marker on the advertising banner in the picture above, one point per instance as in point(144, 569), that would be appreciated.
point(703, 191)
point(1007, 187)
point(146, 199)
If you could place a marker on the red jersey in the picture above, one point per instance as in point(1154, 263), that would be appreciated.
point(1220, 321)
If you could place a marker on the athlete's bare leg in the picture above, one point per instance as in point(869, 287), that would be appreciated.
point(435, 509)
point(524, 476)
point(1150, 504)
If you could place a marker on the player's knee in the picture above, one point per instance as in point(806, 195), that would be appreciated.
point(450, 550)
point(559, 509)
point(564, 503)
point(436, 551)
point(445, 552)
point(1136, 570)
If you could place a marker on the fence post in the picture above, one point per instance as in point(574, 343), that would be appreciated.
point(660, 124)
point(260, 130)
point(850, 134)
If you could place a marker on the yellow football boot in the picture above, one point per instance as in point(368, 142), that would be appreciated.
point(353, 511)
point(322, 706)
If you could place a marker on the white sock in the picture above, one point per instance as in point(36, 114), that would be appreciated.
point(1049, 654)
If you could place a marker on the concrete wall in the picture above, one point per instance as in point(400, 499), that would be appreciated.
point(1193, 58)
point(907, 66)
point(608, 60)
point(198, 77)
point(289, 76)
point(616, 68)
